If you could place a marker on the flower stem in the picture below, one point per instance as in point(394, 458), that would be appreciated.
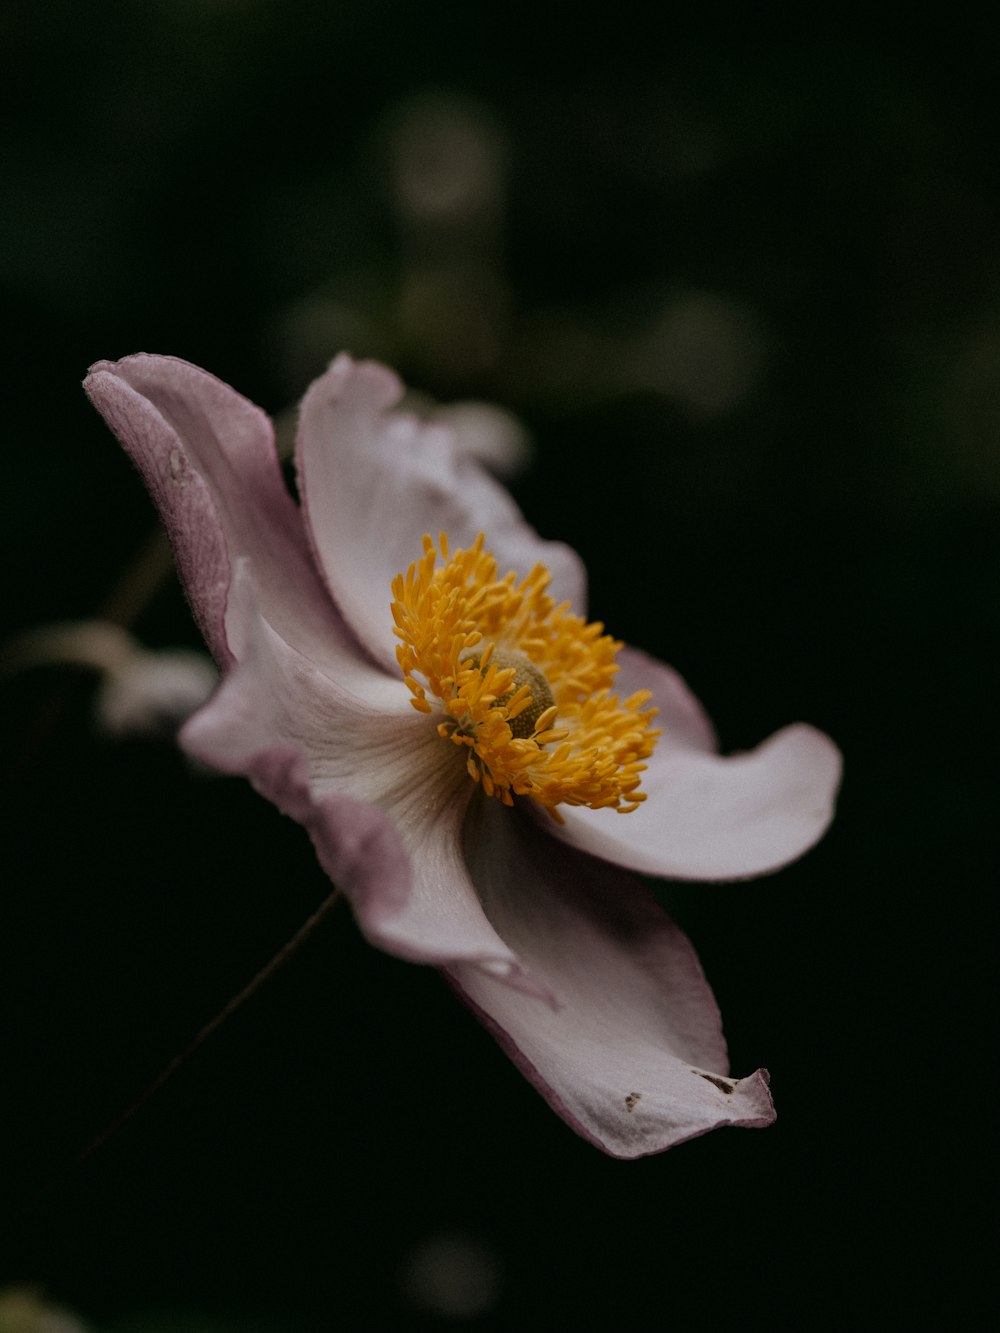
point(227, 1011)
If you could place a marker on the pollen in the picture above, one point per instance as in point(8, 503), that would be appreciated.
point(521, 685)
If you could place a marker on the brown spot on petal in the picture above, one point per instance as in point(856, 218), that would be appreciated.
point(178, 468)
point(723, 1084)
point(631, 1100)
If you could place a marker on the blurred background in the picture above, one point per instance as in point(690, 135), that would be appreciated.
point(736, 286)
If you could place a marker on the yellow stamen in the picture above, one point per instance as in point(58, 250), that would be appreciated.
point(505, 664)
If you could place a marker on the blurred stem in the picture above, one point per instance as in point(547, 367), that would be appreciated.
point(138, 584)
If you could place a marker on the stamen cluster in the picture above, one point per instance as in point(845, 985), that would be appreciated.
point(477, 644)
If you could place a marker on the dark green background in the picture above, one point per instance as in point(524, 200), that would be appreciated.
point(176, 176)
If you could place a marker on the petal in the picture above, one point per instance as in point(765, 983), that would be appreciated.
point(373, 483)
point(380, 793)
point(488, 433)
point(707, 816)
point(633, 1058)
point(208, 458)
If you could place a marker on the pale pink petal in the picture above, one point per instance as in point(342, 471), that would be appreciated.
point(208, 458)
point(374, 482)
point(708, 817)
point(381, 794)
point(633, 1057)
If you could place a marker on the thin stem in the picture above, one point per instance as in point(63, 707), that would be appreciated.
point(230, 1008)
point(139, 581)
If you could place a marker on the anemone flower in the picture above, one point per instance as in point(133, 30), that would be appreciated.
point(407, 671)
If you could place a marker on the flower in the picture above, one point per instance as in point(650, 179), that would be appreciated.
point(381, 685)
point(142, 693)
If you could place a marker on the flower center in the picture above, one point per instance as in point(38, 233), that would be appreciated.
point(522, 684)
point(526, 677)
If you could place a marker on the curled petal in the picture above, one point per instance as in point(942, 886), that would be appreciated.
point(709, 817)
point(379, 792)
point(374, 482)
point(633, 1057)
point(208, 458)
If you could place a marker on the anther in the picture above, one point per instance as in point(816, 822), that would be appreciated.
point(529, 682)
point(521, 684)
